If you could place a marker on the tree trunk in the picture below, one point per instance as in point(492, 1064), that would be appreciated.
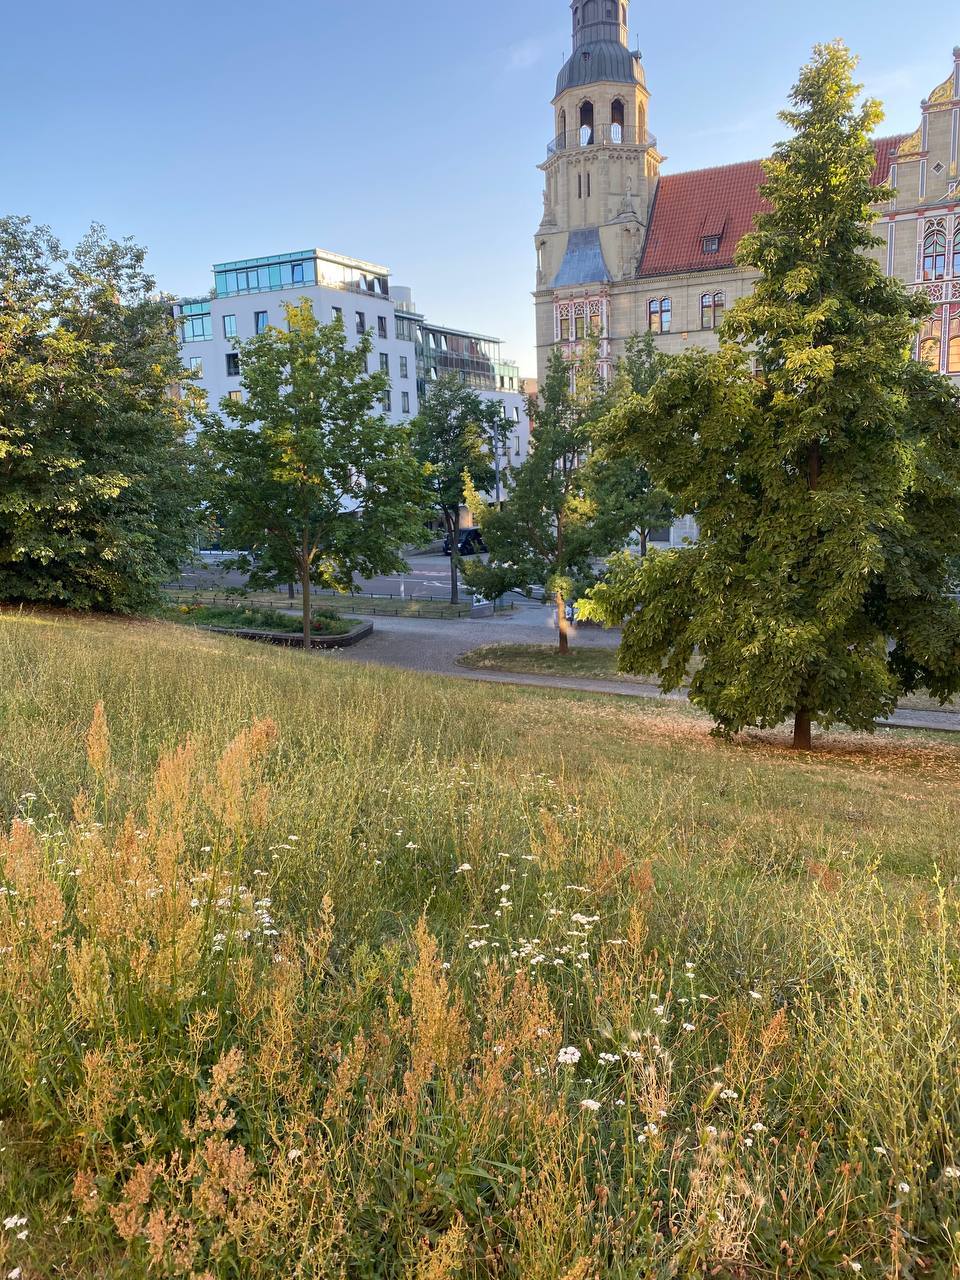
point(453, 525)
point(305, 581)
point(562, 623)
point(802, 731)
point(643, 543)
point(291, 591)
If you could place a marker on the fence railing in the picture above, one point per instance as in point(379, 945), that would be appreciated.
point(600, 135)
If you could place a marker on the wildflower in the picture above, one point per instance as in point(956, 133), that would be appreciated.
point(659, 1010)
point(11, 1224)
point(758, 1127)
point(755, 995)
point(464, 866)
point(411, 845)
point(609, 1057)
point(568, 1057)
point(688, 1026)
point(855, 1266)
point(712, 1129)
point(903, 1187)
point(748, 1142)
point(951, 1171)
point(730, 1094)
point(15, 1274)
point(294, 1154)
point(588, 1104)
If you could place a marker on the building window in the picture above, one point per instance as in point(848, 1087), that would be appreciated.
point(229, 326)
point(338, 314)
point(387, 402)
point(361, 323)
point(953, 341)
point(247, 277)
point(233, 365)
point(711, 310)
point(579, 327)
point(654, 323)
point(564, 328)
point(516, 413)
point(956, 252)
point(404, 367)
point(196, 366)
point(296, 272)
point(405, 401)
point(516, 446)
point(935, 254)
point(931, 341)
point(381, 326)
point(195, 325)
point(579, 186)
point(384, 362)
point(260, 321)
point(711, 244)
point(235, 396)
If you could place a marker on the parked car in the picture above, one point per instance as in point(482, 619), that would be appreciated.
point(470, 544)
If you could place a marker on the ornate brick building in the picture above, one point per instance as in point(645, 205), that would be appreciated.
point(623, 250)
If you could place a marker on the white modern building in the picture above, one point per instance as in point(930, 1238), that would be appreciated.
point(250, 294)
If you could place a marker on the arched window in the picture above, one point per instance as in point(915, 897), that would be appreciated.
point(935, 254)
point(616, 120)
point(712, 306)
point(953, 341)
point(666, 314)
point(586, 124)
point(956, 253)
point(931, 341)
point(562, 129)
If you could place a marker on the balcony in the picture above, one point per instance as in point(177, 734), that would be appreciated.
point(601, 135)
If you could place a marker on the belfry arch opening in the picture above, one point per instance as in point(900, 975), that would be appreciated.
point(586, 124)
point(562, 128)
point(617, 119)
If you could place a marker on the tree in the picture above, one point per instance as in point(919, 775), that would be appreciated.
point(553, 524)
point(825, 482)
point(307, 473)
point(621, 486)
point(98, 498)
point(454, 436)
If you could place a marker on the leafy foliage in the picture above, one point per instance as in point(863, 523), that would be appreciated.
point(826, 481)
point(307, 473)
point(454, 436)
point(567, 506)
point(97, 498)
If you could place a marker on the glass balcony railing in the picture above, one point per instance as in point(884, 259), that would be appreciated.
point(600, 135)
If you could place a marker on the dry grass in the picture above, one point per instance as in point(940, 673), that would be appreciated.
point(316, 970)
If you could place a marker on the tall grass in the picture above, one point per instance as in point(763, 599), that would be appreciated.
point(312, 970)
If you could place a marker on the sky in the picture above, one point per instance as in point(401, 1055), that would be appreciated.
point(405, 133)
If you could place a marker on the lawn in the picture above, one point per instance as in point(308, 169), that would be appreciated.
point(312, 969)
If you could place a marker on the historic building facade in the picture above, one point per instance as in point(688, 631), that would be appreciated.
point(623, 249)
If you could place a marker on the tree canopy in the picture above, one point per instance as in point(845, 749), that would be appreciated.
point(821, 461)
point(98, 499)
point(309, 478)
point(456, 435)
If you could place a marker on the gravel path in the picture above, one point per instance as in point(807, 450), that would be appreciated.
point(432, 647)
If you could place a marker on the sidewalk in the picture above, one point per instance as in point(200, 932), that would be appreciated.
point(434, 648)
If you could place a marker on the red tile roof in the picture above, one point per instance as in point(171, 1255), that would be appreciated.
point(715, 202)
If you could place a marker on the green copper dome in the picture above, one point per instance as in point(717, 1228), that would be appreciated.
point(600, 60)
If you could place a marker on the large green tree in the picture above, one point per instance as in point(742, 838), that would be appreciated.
point(560, 513)
point(97, 494)
point(821, 462)
point(456, 435)
point(307, 474)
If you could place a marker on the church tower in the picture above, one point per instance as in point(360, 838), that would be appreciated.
point(600, 175)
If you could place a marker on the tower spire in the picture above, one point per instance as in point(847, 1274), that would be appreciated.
point(600, 21)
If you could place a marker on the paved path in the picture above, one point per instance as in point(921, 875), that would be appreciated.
point(432, 647)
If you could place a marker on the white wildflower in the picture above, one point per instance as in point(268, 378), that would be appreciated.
point(294, 1154)
point(568, 1057)
point(588, 1104)
point(464, 866)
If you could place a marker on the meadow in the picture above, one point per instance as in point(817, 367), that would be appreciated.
point(312, 970)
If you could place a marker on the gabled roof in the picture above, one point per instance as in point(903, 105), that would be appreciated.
point(720, 202)
point(583, 263)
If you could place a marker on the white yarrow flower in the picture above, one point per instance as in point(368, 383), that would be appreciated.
point(294, 1154)
point(568, 1057)
point(588, 1104)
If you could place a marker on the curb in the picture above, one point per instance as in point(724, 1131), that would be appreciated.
point(291, 640)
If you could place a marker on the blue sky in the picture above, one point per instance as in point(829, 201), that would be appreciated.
point(406, 133)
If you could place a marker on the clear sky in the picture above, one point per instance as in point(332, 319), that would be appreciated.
point(403, 131)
